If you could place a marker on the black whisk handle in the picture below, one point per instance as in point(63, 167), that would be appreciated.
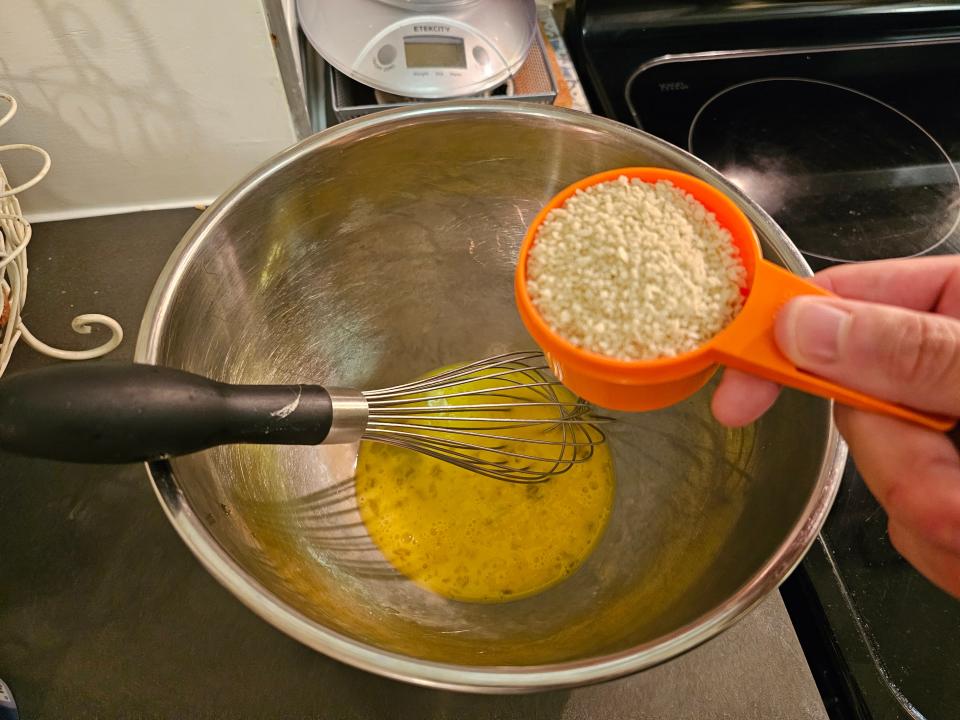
point(119, 412)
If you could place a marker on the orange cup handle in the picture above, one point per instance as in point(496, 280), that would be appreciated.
point(748, 344)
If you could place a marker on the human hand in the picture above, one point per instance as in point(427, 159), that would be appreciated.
point(893, 333)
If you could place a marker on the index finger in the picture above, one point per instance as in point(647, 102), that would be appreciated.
point(930, 284)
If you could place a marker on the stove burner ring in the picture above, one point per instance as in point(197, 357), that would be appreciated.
point(849, 177)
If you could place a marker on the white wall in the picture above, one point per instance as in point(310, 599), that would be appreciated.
point(141, 103)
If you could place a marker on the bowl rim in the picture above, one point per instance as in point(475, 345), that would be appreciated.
point(450, 676)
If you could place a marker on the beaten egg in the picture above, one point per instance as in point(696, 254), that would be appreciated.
point(473, 538)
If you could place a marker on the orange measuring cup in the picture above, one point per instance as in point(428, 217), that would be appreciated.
point(747, 343)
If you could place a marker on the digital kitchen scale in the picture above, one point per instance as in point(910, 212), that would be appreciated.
point(426, 49)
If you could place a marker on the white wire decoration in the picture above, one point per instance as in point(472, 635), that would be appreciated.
point(14, 237)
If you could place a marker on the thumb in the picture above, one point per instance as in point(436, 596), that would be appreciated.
point(908, 357)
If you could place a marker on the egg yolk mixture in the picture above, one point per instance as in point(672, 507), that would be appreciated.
point(472, 538)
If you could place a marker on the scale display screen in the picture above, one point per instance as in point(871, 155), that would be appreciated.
point(434, 52)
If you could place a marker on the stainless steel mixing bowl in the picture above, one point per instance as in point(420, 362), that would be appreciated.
point(385, 247)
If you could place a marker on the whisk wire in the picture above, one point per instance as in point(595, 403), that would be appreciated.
point(523, 428)
point(506, 364)
point(399, 432)
point(485, 392)
point(497, 471)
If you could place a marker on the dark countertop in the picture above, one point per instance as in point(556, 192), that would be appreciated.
point(105, 614)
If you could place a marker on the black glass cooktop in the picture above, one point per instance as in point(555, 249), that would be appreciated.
point(854, 151)
point(849, 152)
point(849, 177)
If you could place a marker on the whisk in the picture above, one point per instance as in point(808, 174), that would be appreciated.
point(504, 417)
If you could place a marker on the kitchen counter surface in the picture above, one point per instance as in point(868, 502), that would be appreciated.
point(104, 613)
